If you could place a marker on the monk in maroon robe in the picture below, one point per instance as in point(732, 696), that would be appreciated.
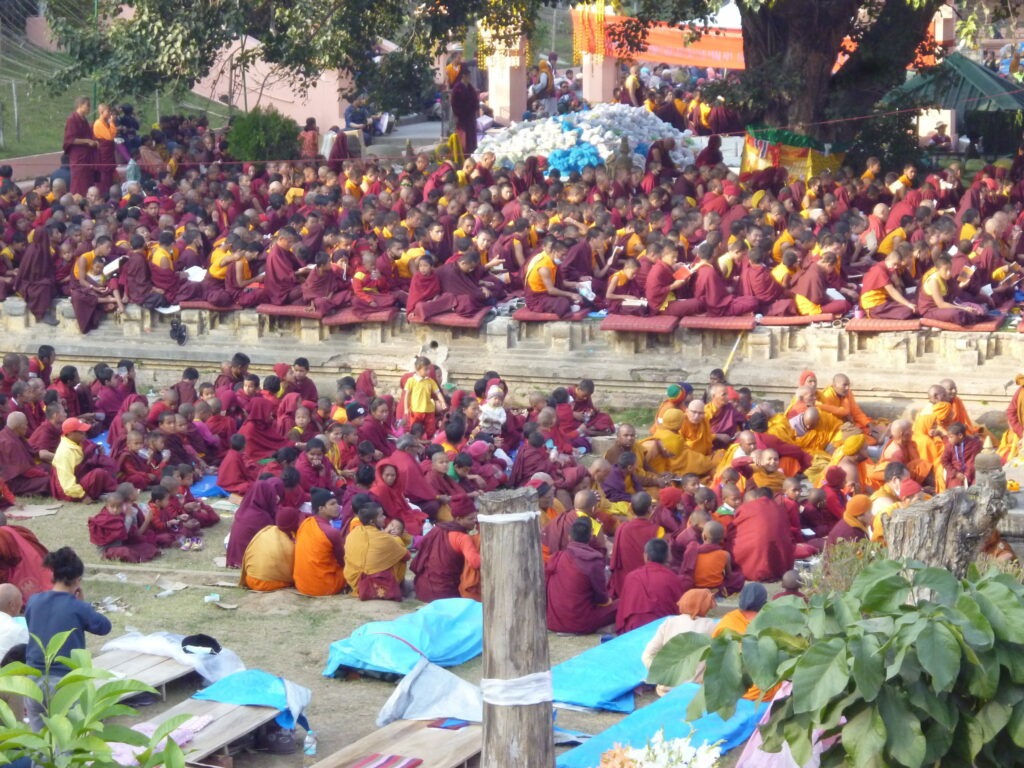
point(630, 539)
point(237, 472)
point(759, 538)
point(448, 562)
point(18, 461)
point(756, 281)
point(577, 596)
point(262, 438)
point(80, 147)
point(650, 592)
point(417, 489)
point(280, 278)
point(710, 289)
point(36, 282)
point(661, 289)
point(456, 279)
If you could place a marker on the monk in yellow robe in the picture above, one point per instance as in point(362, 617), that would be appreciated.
point(696, 430)
point(837, 399)
point(766, 472)
point(959, 409)
point(811, 434)
point(806, 398)
point(667, 452)
point(902, 448)
point(743, 447)
point(676, 396)
point(929, 436)
point(752, 598)
point(1009, 446)
point(371, 550)
point(853, 459)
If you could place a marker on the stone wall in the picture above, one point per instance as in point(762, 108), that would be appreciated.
point(890, 372)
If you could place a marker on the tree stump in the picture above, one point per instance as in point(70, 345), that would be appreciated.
point(949, 530)
point(517, 727)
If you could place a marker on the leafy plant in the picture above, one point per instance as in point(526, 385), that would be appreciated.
point(75, 731)
point(841, 564)
point(264, 134)
point(910, 667)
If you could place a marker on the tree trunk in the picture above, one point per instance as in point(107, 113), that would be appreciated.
point(949, 530)
point(517, 671)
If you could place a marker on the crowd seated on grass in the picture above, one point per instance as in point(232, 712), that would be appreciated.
point(348, 491)
point(443, 239)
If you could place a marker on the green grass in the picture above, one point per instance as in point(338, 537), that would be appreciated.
point(42, 111)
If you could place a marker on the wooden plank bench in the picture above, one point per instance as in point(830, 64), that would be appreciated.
point(349, 316)
point(436, 747)
point(789, 320)
point(148, 668)
point(985, 326)
point(524, 315)
point(881, 325)
point(230, 723)
point(708, 323)
point(455, 320)
point(638, 324)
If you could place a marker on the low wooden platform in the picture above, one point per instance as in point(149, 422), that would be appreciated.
point(436, 747)
point(147, 668)
point(230, 723)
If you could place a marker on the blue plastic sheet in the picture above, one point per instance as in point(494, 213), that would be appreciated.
point(604, 677)
point(206, 488)
point(668, 713)
point(447, 632)
point(256, 688)
point(103, 442)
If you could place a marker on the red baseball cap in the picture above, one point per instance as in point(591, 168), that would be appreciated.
point(74, 424)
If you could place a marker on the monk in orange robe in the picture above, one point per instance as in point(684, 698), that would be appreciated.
point(902, 448)
point(375, 552)
point(929, 435)
point(959, 413)
point(319, 549)
point(1009, 446)
point(838, 400)
point(752, 599)
point(709, 565)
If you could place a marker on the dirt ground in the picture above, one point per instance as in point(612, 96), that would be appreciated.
point(283, 633)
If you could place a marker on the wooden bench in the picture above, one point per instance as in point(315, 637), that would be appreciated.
point(524, 315)
point(208, 306)
point(790, 320)
point(230, 723)
point(638, 324)
point(881, 325)
point(708, 323)
point(436, 747)
point(455, 320)
point(349, 316)
point(156, 671)
point(985, 326)
point(292, 310)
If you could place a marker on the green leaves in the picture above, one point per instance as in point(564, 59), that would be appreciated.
point(821, 673)
point(939, 654)
point(677, 661)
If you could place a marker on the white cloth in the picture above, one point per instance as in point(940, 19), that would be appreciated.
point(13, 631)
point(212, 668)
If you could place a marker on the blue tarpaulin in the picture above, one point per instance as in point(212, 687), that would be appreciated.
point(253, 687)
point(668, 713)
point(206, 488)
point(604, 677)
point(447, 632)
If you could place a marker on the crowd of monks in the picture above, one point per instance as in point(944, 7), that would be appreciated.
point(438, 235)
point(722, 489)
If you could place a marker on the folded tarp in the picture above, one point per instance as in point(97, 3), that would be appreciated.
point(445, 632)
point(603, 677)
point(255, 688)
point(206, 488)
point(668, 713)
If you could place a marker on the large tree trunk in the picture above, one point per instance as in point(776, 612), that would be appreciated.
point(793, 46)
point(949, 530)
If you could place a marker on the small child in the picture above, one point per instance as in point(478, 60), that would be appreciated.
point(731, 499)
point(492, 413)
point(422, 398)
point(709, 565)
point(133, 466)
point(200, 510)
point(174, 518)
point(122, 529)
point(237, 472)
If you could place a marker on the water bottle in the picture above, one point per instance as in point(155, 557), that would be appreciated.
point(309, 744)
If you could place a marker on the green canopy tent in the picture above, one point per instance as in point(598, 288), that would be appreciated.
point(986, 104)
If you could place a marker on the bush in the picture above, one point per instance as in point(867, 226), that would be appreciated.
point(840, 564)
point(75, 734)
point(263, 134)
point(910, 667)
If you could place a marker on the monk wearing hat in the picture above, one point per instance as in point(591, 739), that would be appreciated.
point(855, 523)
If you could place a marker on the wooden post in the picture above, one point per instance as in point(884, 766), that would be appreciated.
point(515, 634)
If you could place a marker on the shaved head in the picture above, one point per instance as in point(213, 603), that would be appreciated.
point(11, 601)
point(16, 421)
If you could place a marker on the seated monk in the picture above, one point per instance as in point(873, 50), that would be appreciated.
point(268, 563)
point(811, 435)
point(724, 418)
point(577, 596)
point(711, 289)
point(663, 287)
point(649, 592)
point(448, 562)
point(237, 471)
point(320, 549)
point(595, 422)
point(625, 440)
point(757, 282)
point(375, 556)
point(856, 521)
point(765, 470)
point(881, 292)
point(777, 435)
point(852, 458)
point(20, 466)
point(544, 292)
point(555, 535)
point(929, 433)
point(959, 413)
point(936, 294)
point(620, 484)
point(902, 448)
point(77, 477)
point(694, 606)
point(46, 437)
point(759, 537)
point(752, 599)
point(630, 538)
point(813, 292)
point(958, 458)
point(696, 429)
point(135, 468)
point(666, 450)
point(709, 565)
point(837, 399)
point(886, 498)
